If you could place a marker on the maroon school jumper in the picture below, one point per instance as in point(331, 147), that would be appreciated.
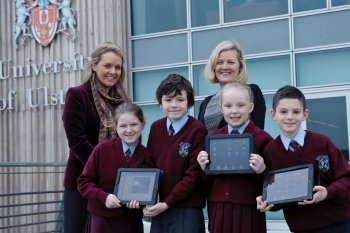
point(232, 198)
point(334, 173)
point(98, 179)
point(176, 156)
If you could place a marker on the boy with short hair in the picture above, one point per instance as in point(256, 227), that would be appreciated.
point(329, 210)
point(174, 143)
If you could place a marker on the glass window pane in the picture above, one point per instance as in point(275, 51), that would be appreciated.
point(145, 83)
point(159, 50)
point(236, 10)
point(340, 2)
point(197, 104)
point(323, 67)
point(201, 85)
point(302, 5)
point(273, 36)
point(151, 113)
point(322, 29)
point(269, 72)
point(334, 126)
point(150, 16)
point(270, 125)
point(204, 12)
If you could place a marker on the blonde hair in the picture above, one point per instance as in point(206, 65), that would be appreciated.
point(95, 58)
point(209, 70)
point(237, 85)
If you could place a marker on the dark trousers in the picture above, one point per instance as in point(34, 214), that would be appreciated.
point(179, 220)
point(343, 227)
point(75, 211)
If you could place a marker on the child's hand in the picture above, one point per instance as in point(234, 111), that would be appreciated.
point(319, 195)
point(112, 202)
point(133, 204)
point(203, 159)
point(151, 211)
point(262, 205)
point(256, 162)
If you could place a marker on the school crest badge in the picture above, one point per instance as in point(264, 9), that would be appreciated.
point(184, 149)
point(323, 162)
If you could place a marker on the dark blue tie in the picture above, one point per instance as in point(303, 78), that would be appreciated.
point(293, 146)
point(234, 131)
point(171, 130)
point(128, 155)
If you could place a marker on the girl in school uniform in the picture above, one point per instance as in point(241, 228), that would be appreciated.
point(97, 181)
point(231, 200)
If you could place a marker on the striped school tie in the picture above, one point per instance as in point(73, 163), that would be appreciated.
point(128, 155)
point(234, 131)
point(293, 146)
point(171, 131)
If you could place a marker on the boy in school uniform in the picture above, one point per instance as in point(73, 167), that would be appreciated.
point(174, 143)
point(329, 210)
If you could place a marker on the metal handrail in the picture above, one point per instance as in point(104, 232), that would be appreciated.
point(19, 210)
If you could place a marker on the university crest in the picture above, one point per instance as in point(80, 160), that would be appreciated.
point(45, 18)
point(44, 24)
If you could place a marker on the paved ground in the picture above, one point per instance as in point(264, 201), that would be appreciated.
point(273, 226)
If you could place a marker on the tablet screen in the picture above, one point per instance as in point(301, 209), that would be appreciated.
point(140, 184)
point(229, 154)
point(289, 185)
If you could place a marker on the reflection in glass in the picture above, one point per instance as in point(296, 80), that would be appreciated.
point(269, 72)
point(302, 5)
point(201, 85)
point(236, 10)
point(316, 68)
point(152, 113)
point(334, 126)
point(157, 16)
point(145, 83)
point(340, 2)
point(204, 12)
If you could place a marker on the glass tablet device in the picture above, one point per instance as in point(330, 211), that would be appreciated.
point(140, 184)
point(229, 153)
point(289, 185)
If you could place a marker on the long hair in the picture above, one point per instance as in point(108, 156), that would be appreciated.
point(95, 58)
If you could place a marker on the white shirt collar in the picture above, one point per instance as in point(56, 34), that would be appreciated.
point(240, 129)
point(177, 125)
point(126, 147)
point(299, 138)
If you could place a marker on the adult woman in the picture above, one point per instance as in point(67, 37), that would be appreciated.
point(227, 64)
point(87, 111)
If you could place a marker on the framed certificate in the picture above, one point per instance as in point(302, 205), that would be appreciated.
point(289, 185)
point(140, 184)
point(229, 153)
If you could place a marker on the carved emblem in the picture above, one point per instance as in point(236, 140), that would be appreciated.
point(46, 18)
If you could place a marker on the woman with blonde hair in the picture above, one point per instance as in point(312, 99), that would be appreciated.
point(227, 64)
point(87, 119)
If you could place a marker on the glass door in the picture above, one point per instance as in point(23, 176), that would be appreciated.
point(328, 114)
